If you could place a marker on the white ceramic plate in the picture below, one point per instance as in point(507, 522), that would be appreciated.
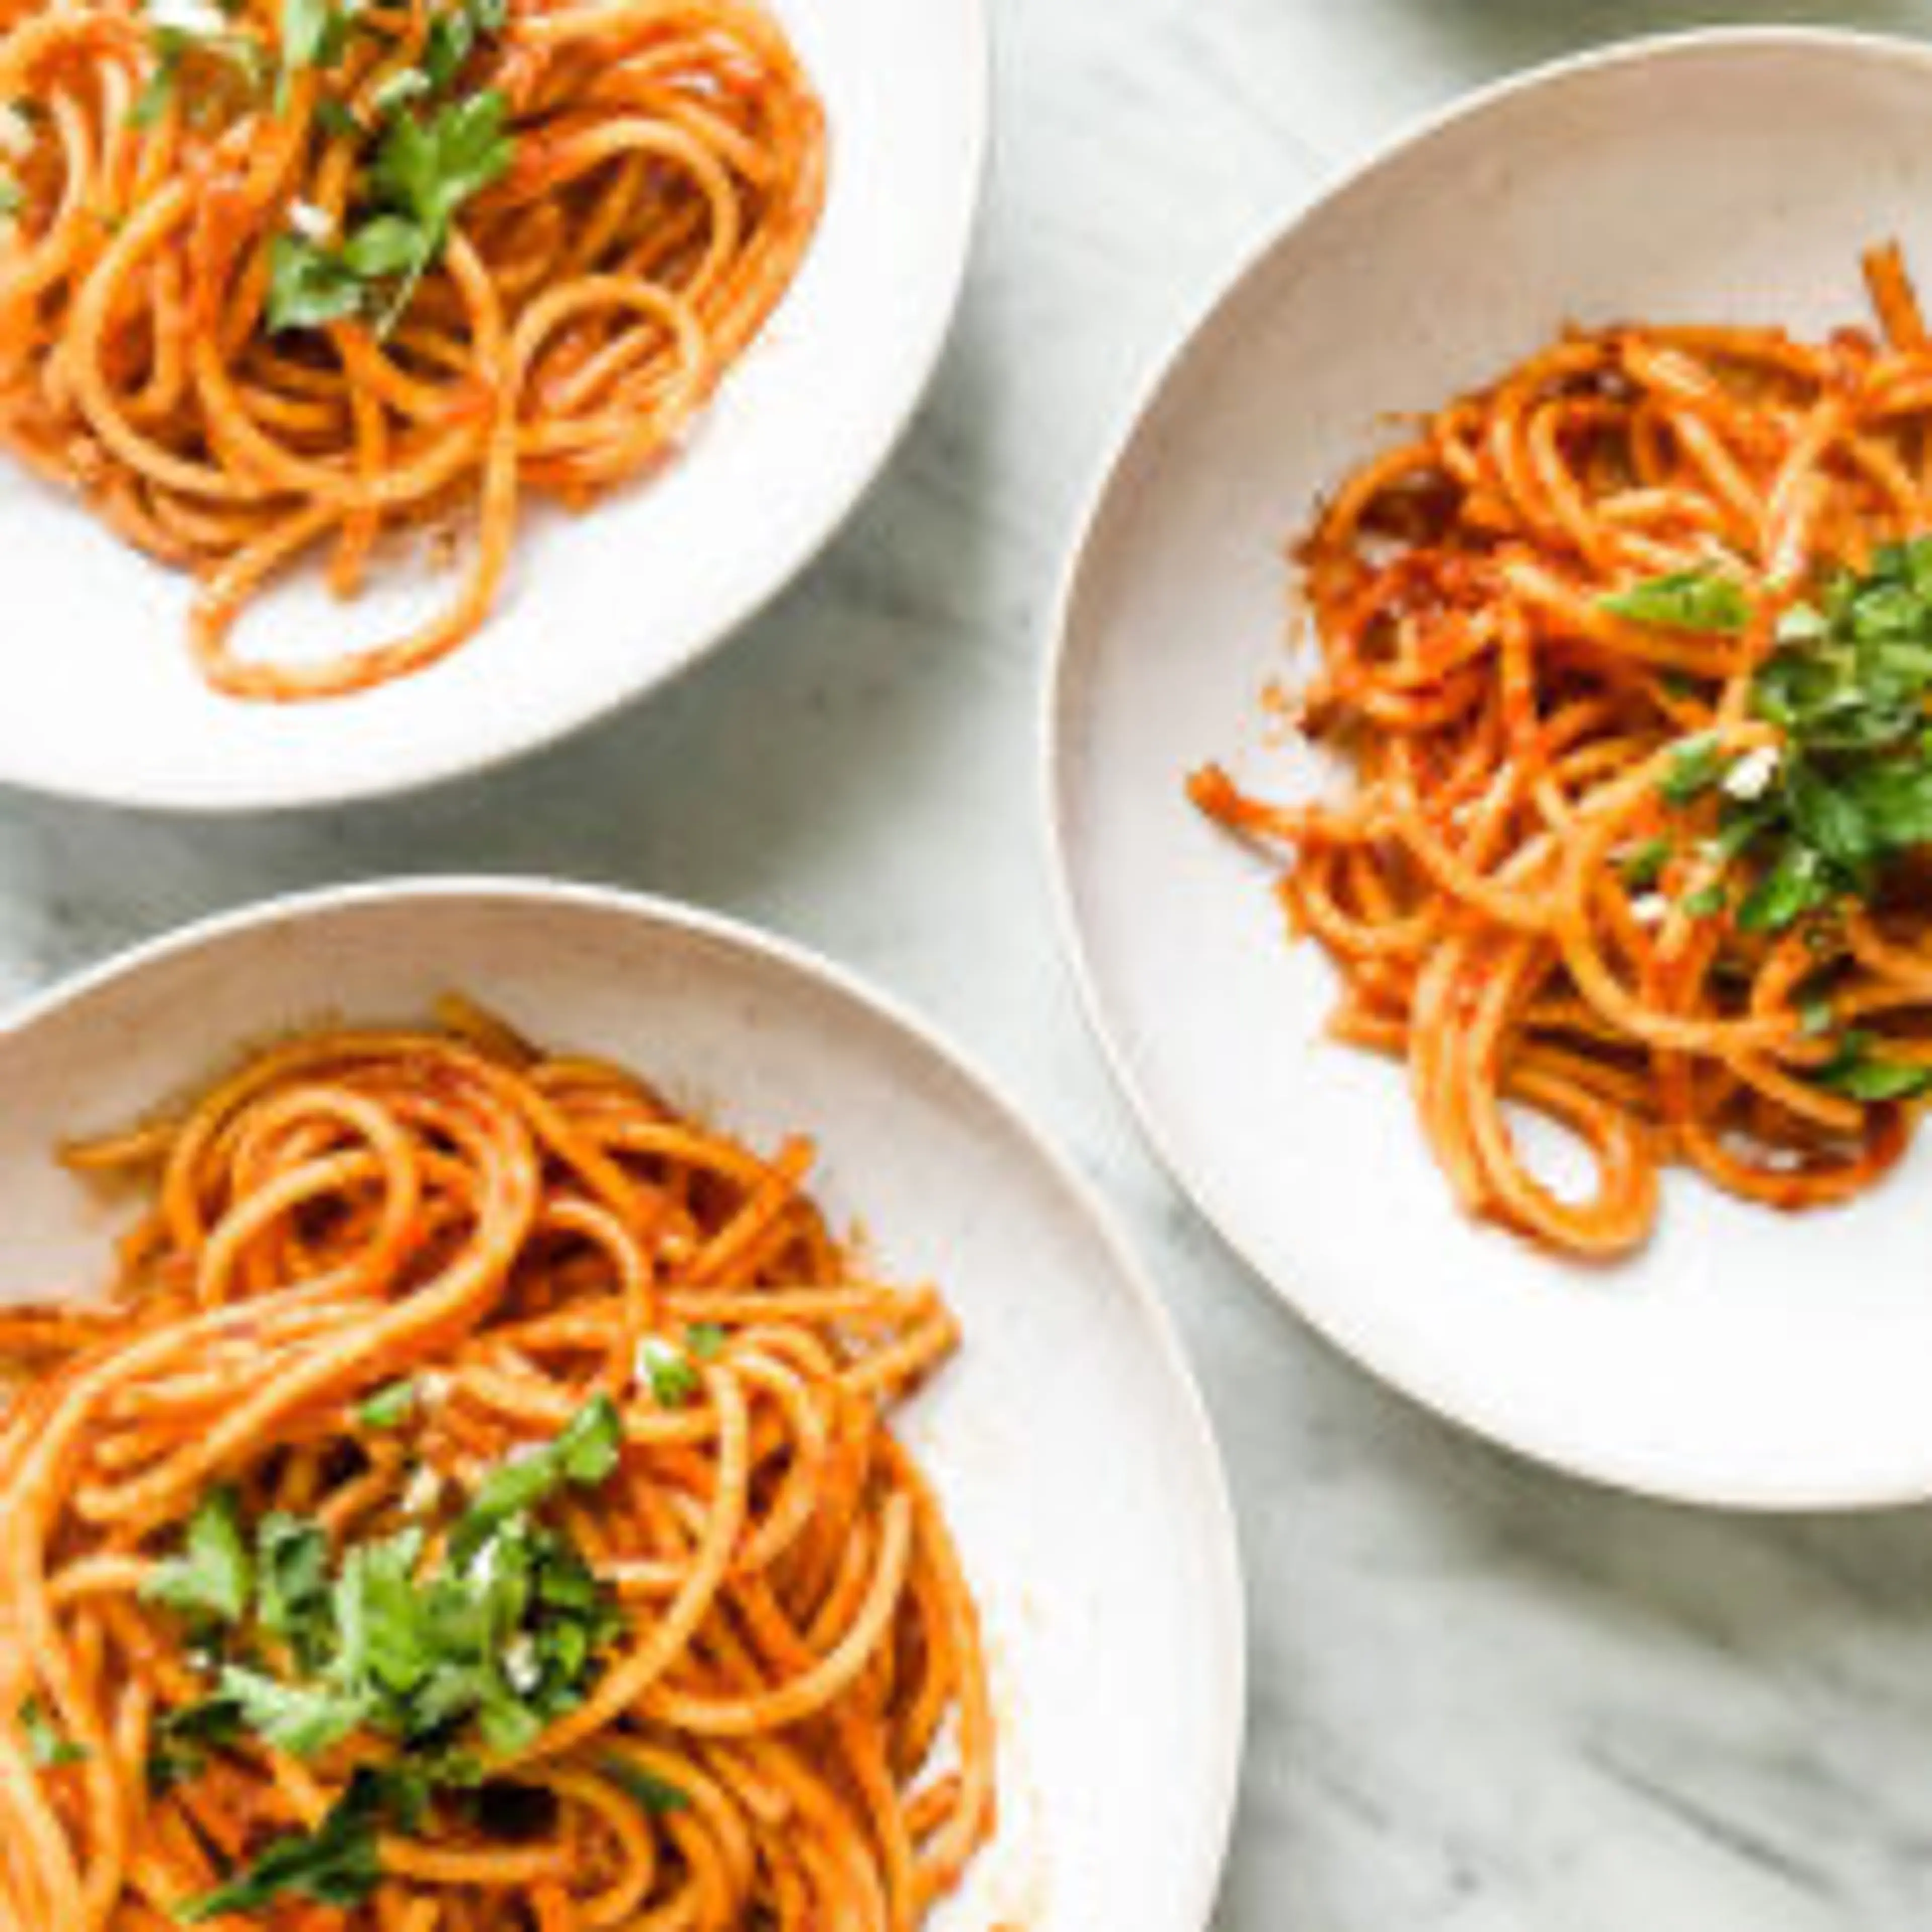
point(1066, 1439)
point(1743, 1358)
point(98, 698)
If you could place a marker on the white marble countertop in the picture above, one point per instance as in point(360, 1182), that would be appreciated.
point(1485, 1700)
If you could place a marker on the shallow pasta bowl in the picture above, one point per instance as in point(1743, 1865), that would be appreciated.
point(100, 698)
point(1065, 1438)
point(1743, 1357)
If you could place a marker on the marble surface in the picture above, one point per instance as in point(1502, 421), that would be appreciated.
point(1484, 1699)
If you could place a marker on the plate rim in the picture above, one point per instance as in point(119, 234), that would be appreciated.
point(1226, 1605)
point(187, 793)
point(1632, 1473)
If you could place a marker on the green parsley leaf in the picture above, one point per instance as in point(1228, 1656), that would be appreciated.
point(505, 1639)
point(337, 1864)
point(1642, 865)
point(168, 1767)
point(292, 1584)
point(47, 1744)
point(705, 1340)
point(12, 195)
point(391, 1406)
point(244, 57)
point(424, 171)
point(313, 33)
point(1892, 801)
point(1693, 767)
point(450, 40)
point(1741, 823)
point(453, 36)
point(385, 246)
point(1815, 1016)
point(453, 1658)
point(1794, 885)
point(1828, 818)
point(673, 1377)
point(1860, 1074)
point(428, 169)
point(1707, 902)
point(519, 1484)
point(212, 1576)
point(383, 1640)
point(509, 1727)
point(654, 1794)
point(302, 1719)
point(309, 286)
point(1849, 687)
point(337, 121)
point(592, 1445)
point(585, 1453)
point(1685, 600)
point(179, 1750)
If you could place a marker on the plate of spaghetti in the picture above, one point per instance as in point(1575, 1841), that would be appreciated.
point(384, 388)
point(646, 1438)
point(1490, 751)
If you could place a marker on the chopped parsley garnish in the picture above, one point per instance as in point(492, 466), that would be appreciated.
point(671, 1375)
point(705, 1340)
point(427, 148)
point(337, 1864)
point(180, 30)
point(1685, 600)
point(47, 1744)
point(586, 1454)
point(1816, 1017)
point(389, 1408)
point(1828, 813)
point(183, 1737)
point(454, 34)
point(13, 197)
point(303, 1719)
point(314, 33)
point(337, 120)
point(1848, 791)
point(452, 1659)
point(309, 286)
point(1860, 1074)
point(654, 1794)
point(1794, 884)
point(292, 1583)
point(210, 1578)
point(1642, 865)
point(1694, 768)
point(425, 169)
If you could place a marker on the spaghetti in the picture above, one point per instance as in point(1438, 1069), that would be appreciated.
point(283, 275)
point(1628, 659)
point(475, 1512)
